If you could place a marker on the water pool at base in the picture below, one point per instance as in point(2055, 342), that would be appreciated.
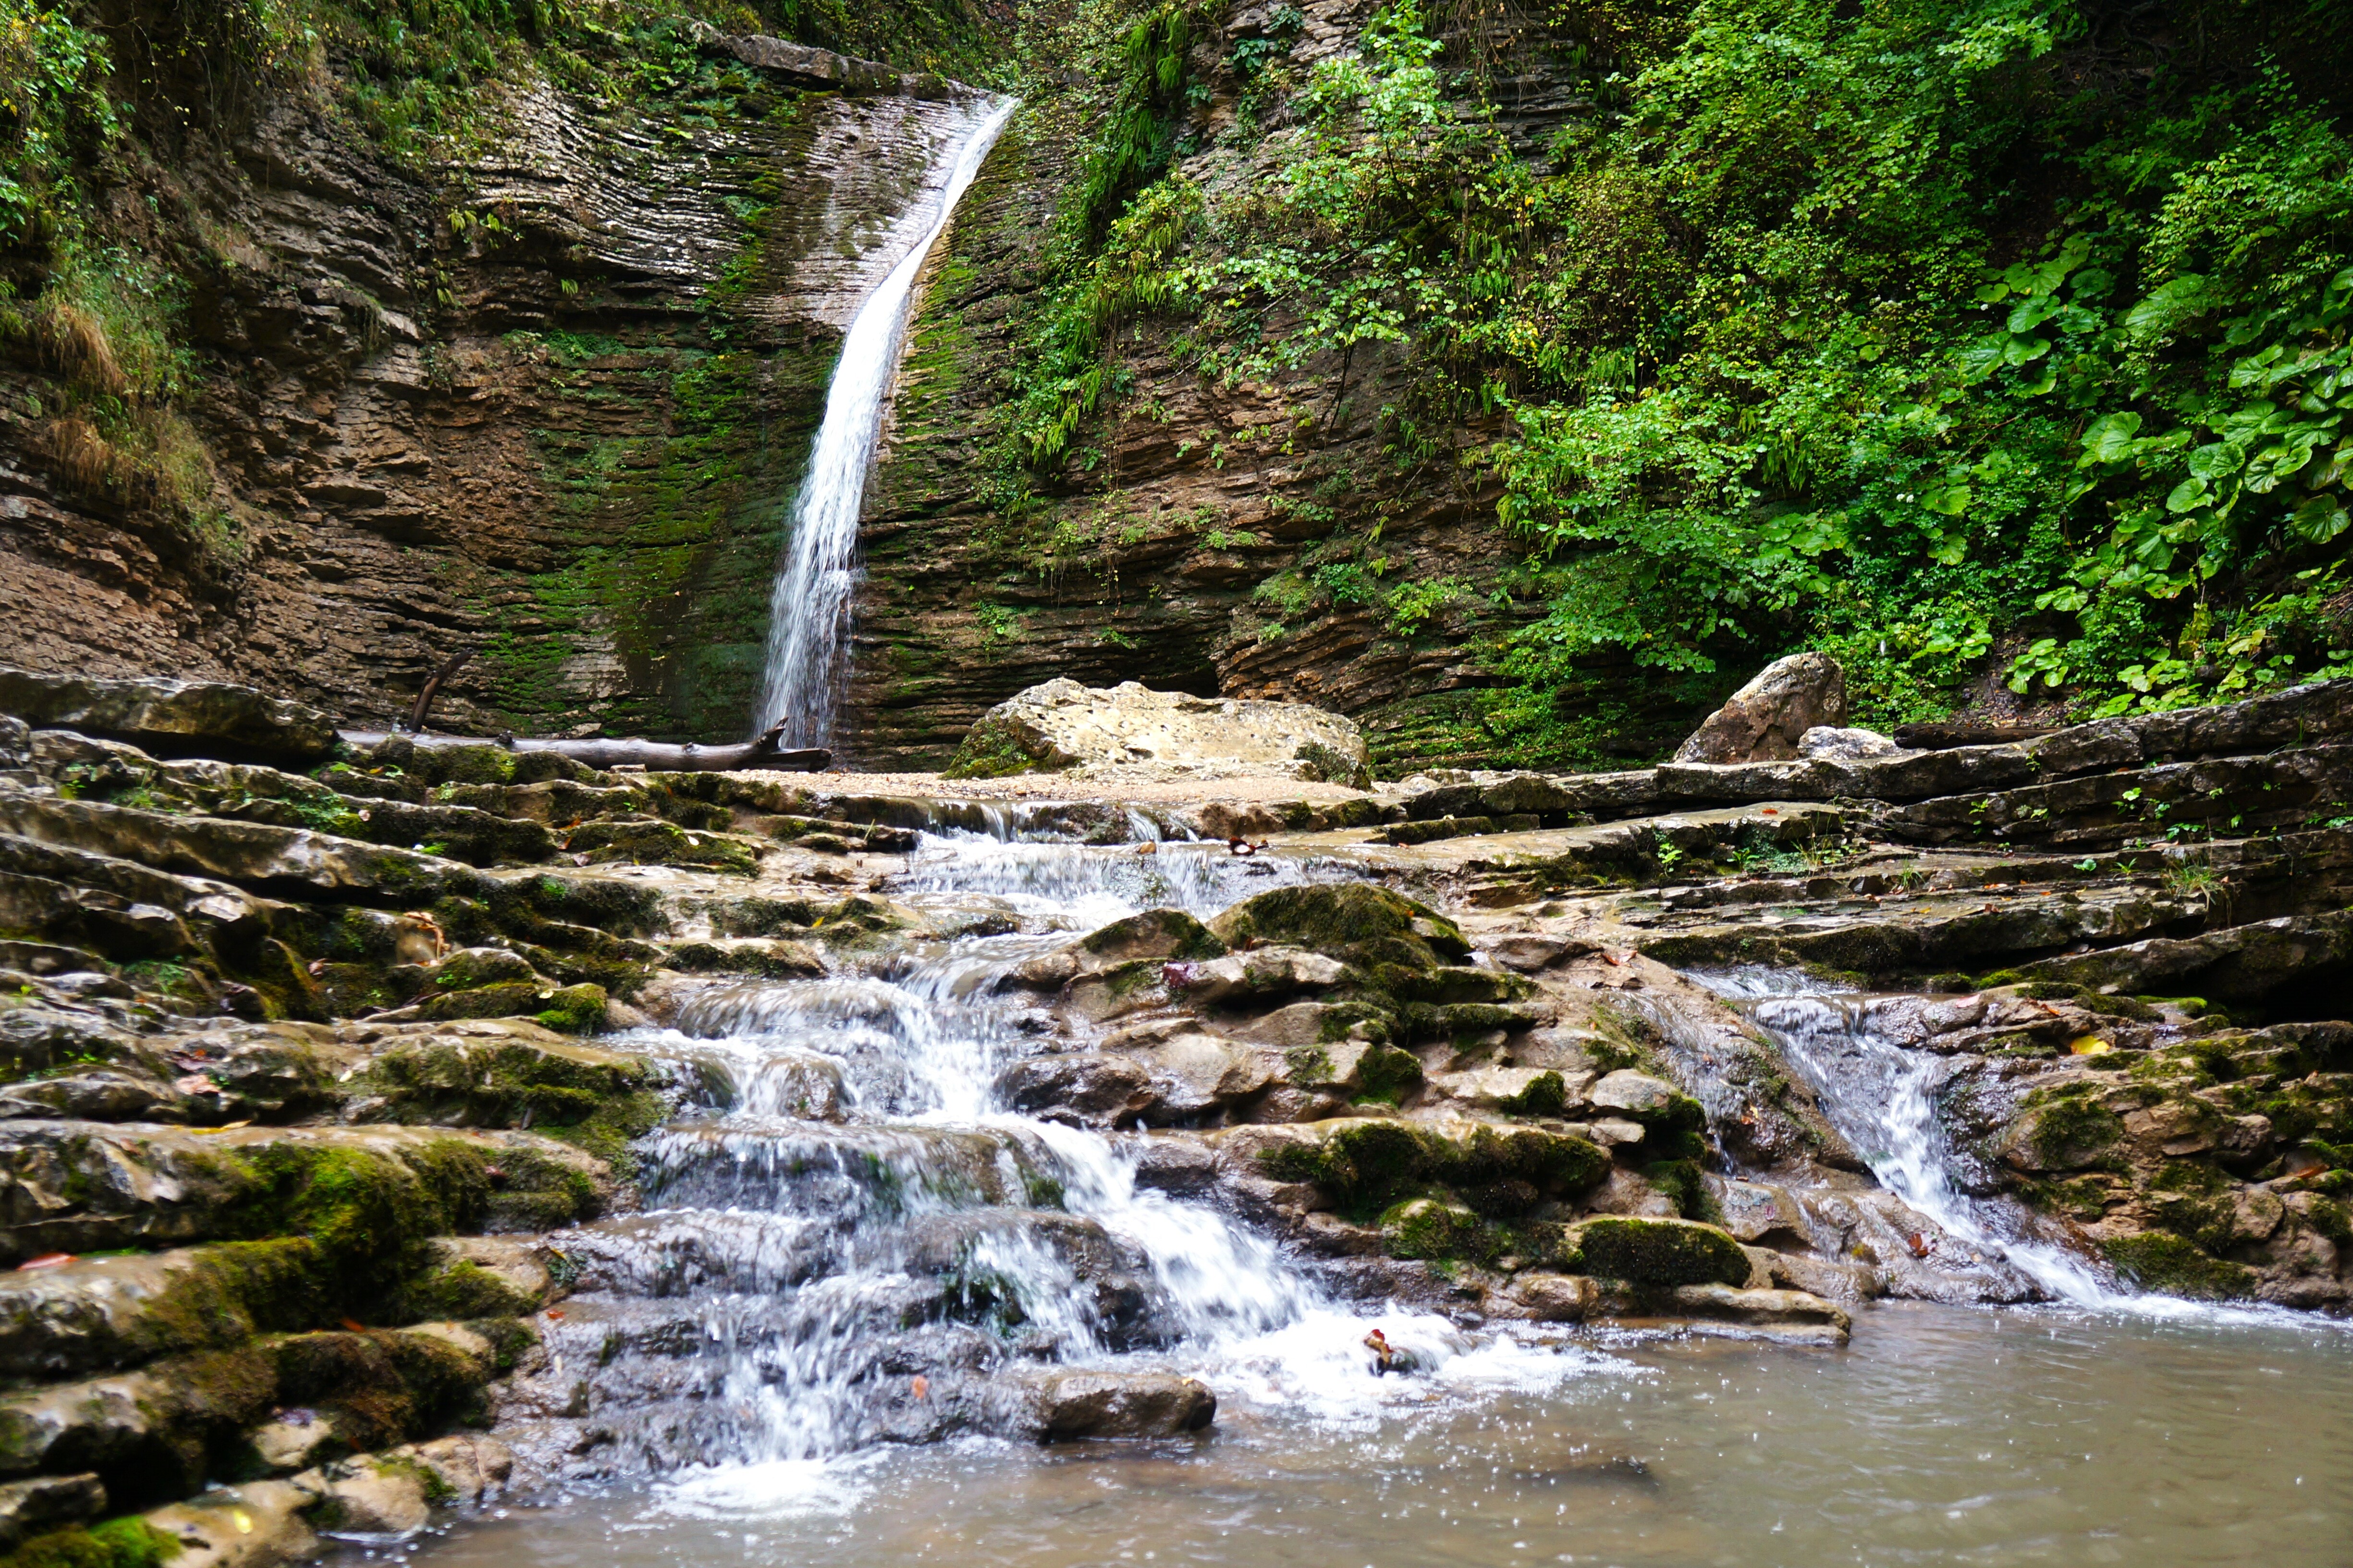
point(1942, 1435)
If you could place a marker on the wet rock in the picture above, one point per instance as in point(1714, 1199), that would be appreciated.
point(104, 1312)
point(1194, 1073)
point(1656, 1252)
point(1827, 1278)
point(1514, 1091)
point(1638, 1094)
point(1062, 725)
point(1555, 1298)
point(1057, 1406)
point(206, 717)
point(1096, 1090)
point(1260, 975)
point(1753, 1210)
point(2247, 963)
point(76, 1186)
point(255, 1525)
point(1177, 1166)
point(1532, 953)
point(284, 1446)
point(1783, 1312)
point(1765, 719)
point(373, 1495)
point(45, 1502)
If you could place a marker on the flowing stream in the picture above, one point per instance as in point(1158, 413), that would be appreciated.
point(808, 608)
point(852, 1251)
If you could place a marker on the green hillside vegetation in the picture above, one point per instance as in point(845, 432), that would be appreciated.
point(1984, 344)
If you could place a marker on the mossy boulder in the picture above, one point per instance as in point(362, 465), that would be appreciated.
point(1368, 1163)
point(1354, 921)
point(1435, 1230)
point(502, 1075)
point(1656, 1253)
point(106, 1312)
point(648, 841)
point(1154, 934)
point(2174, 1266)
point(368, 1197)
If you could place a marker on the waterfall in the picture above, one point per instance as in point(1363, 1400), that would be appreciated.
point(808, 608)
point(1881, 1097)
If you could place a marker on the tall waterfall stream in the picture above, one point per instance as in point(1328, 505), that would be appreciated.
point(738, 1344)
point(808, 608)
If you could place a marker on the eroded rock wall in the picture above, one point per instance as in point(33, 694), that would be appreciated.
point(550, 403)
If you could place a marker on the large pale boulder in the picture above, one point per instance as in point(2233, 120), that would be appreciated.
point(1765, 719)
point(1063, 725)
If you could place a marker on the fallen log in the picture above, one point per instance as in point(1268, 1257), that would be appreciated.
point(654, 756)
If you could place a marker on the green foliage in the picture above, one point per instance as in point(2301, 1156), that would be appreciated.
point(1926, 332)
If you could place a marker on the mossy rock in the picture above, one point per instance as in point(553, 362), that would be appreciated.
point(2172, 1266)
point(1659, 1253)
point(994, 748)
point(1365, 1163)
point(1354, 921)
point(2073, 1130)
point(649, 842)
point(1440, 1232)
point(1154, 934)
point(502, 1080)
point(127, 1542)
point(1546, 1094)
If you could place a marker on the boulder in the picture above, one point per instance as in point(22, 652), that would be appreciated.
point(1765, 719)
point(1057, 1406)
point(206, 718)
point(1061, 725)
point(1093, 1089)
point(1658, 1252)
point(1555, 1298)
point(1837, 745)
point(1792, 1315)
point(255, 1525)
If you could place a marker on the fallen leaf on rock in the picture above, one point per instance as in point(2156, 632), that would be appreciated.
point(922, 1385)
point(46, 1261)
point(196, 1083)
point(355, 1325)
point(224, 1127)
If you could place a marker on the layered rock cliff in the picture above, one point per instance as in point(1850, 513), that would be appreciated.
point(545, 398)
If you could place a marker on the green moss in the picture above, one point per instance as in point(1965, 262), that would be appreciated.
point(233, 1291)
point(2171, 1266)
point(576, 1010)
point(1429, 1229)
point(1546, 1094)
point(1681, 1182)
point(127, 1542)
point(459, 1291)
point(1369, 1164)
point(1386, 1075)
point(992, 751)
point(1659, 1252)
point(1157, 934)
point(1354, 921)
point(2071, 1127)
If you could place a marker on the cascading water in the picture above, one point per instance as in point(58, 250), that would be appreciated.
point(1883, 1097)
point(853, 1210)
point(808, 608)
